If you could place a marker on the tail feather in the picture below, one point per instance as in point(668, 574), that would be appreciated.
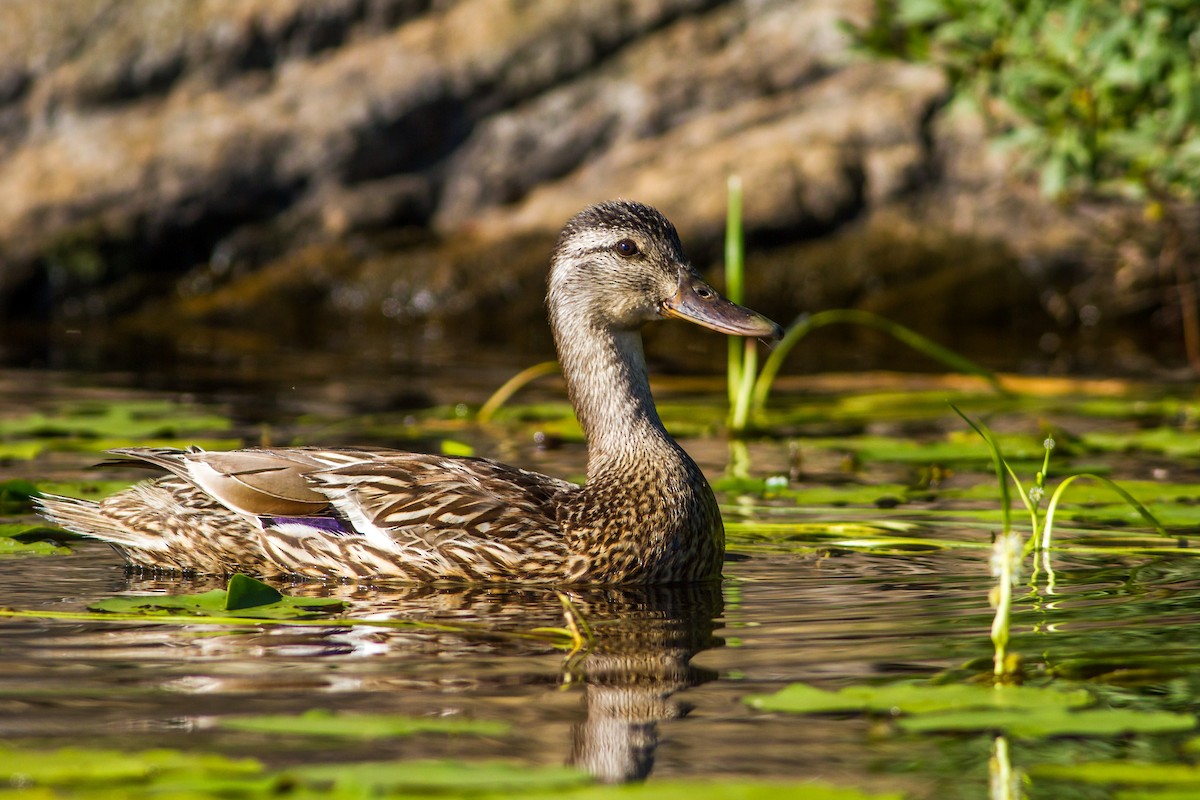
point(165, 524)
point(86, 518)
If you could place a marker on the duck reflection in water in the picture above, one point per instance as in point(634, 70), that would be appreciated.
point(633, 670)
point(629, 674)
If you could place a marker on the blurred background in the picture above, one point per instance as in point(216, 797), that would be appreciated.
point(197, 190)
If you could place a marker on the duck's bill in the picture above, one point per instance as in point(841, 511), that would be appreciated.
point(697, 302)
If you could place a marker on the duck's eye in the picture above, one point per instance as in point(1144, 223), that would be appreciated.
point(704, 293)
point(627, 248)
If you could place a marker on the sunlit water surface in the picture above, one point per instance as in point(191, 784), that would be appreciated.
point(658, 695)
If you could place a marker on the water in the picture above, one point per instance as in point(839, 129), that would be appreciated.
point(659, 694)
point(659, 691)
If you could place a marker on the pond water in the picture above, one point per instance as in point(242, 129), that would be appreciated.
point(865, 563)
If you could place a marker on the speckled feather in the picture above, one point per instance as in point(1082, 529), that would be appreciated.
point(645, 516)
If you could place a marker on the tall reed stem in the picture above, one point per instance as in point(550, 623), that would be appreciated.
point(735, 287)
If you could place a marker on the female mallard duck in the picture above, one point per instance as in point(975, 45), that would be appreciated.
point(646, 514)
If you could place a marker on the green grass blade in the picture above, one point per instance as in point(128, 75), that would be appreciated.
point(513, 385)
point(806, 324)
point(998, 462)
point(1048, 525)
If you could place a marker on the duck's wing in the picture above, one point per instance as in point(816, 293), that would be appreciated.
point(423, 517)
point(254, 482)
point(365, 513)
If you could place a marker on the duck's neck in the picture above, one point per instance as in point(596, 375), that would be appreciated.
point(605, 371)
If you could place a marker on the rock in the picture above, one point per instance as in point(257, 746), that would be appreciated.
point(413, 159)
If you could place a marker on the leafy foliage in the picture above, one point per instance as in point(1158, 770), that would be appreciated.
point(1101, 96)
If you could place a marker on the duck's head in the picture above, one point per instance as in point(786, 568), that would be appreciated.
point(619, 265)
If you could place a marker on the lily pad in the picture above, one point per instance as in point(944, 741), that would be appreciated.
point(87, 490)
point(19, 539)
point(1049, 721)
point(1025, 711)
point(13, 547)
point(169, 773)
point(955, 448)
point(1168, 441)
point(245, 592)
point(440, 776)
point(725, 790)
point(245, 597)
point(361, 726)
point(1119, 772)
point(916, 698)
point(77, 766)
point(22, 450)
point(16, 493)
point(139, 419)
point(883, 537)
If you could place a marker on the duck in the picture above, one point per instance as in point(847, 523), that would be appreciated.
point(645, 514)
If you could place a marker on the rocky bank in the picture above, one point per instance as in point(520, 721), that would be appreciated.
point(224, 160)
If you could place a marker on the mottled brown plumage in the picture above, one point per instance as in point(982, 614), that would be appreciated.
point(646, 514)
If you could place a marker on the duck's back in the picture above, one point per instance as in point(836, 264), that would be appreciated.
point(386, 514)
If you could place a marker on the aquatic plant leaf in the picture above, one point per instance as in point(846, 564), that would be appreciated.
point(1169, 515)
point(727, 790)
point(214, 604)
point(952, 450)
point(1134, 407)
point(1168, 441)
point(800, 698)
point(87, 490)
point(102, 445)
point(36, 539)
point(169, 773)
point(1120, 772)
point(16, 492)
point(1048, 721)
point(916, 698)
point(25, 450)
point(846, 494)
point(453, 447)
point(815, 530)
point(15, 547)
point(246, 592)
point(35, 532)
point(82, 767)
point(320, 722)
point(439, 776)
point(884, 537)
point(140, 419)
